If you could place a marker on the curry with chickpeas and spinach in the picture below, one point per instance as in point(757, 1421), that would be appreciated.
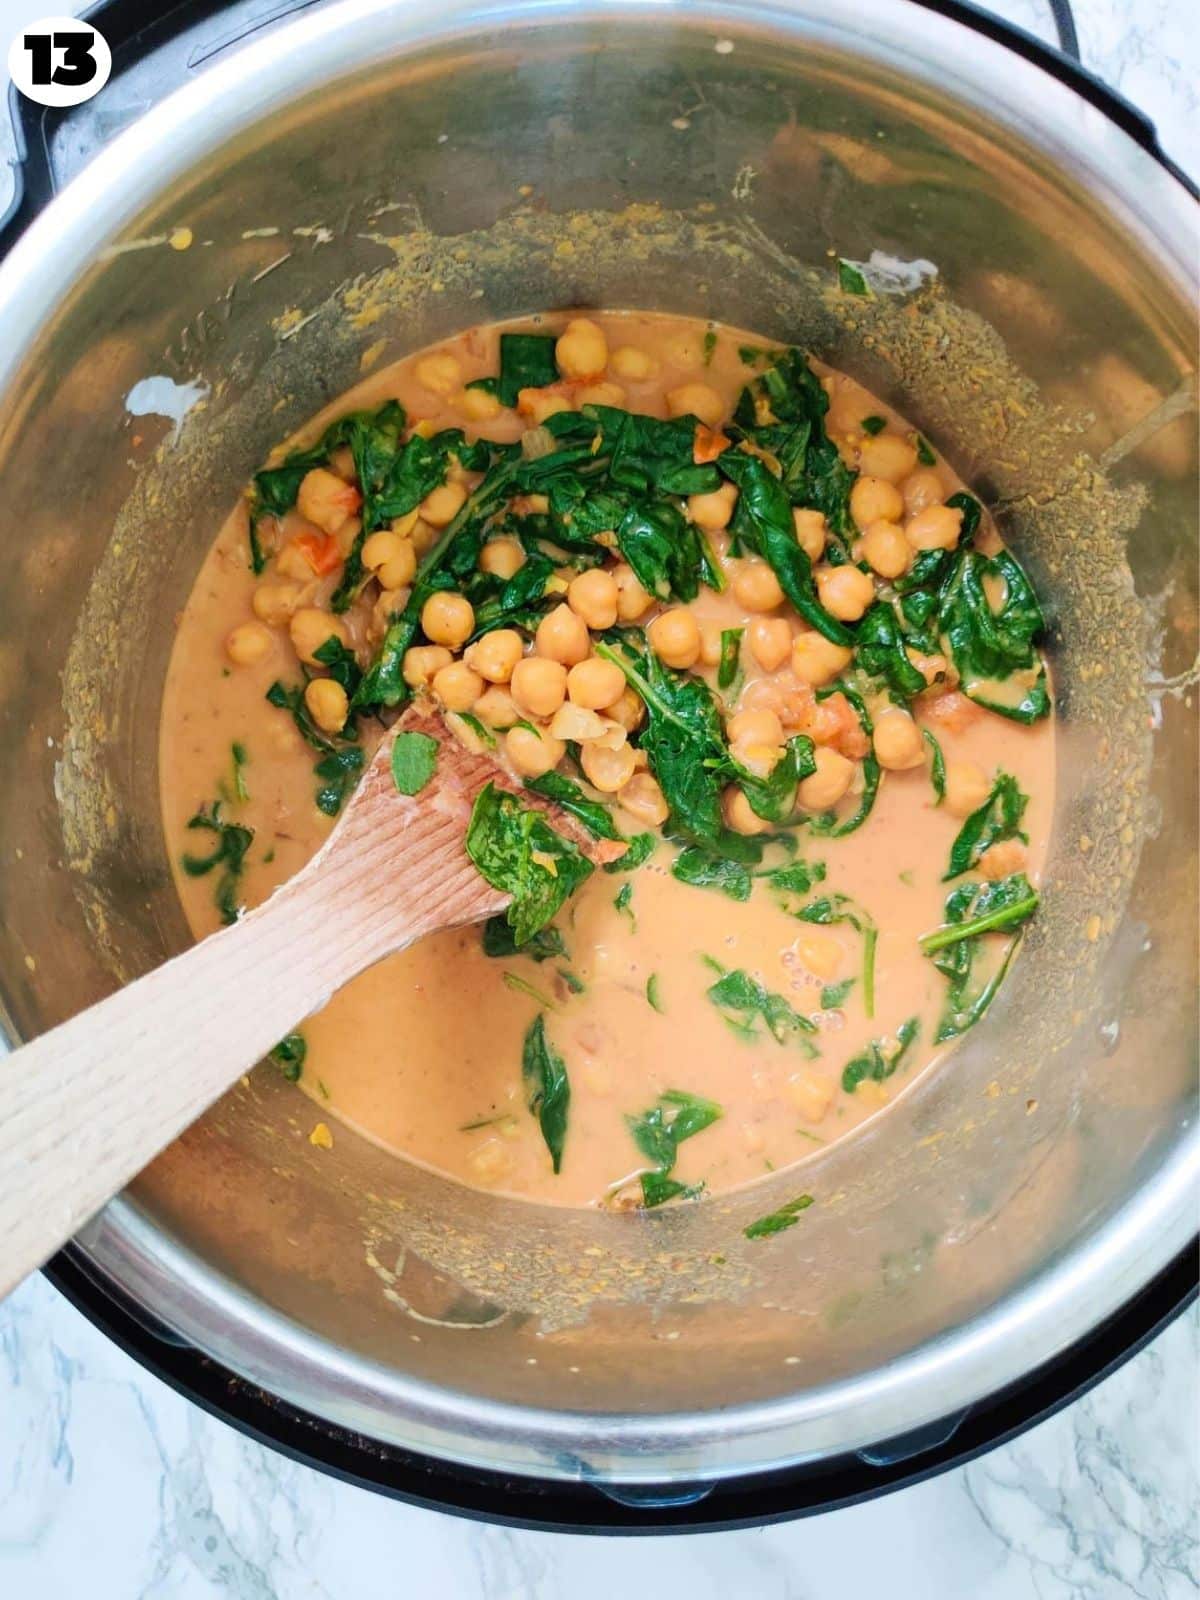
point(742, 622)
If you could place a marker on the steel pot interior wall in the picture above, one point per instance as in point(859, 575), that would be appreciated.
point(427, 177)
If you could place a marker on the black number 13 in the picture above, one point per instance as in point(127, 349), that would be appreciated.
point(77, 66)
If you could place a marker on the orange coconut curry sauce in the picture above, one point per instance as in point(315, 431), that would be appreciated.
point(778, 646)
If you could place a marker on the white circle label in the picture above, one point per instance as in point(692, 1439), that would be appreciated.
point(59, 61)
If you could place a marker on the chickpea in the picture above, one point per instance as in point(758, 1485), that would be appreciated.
point(607, 770)
point(342, 462)
point(328, 704)
point(423, 535)
point(887, 456)
point(248, 644)
point(404, 527)
point(755, 727)
point(935, 528)
point(447, 619)
point(884, 546)
point(595, 684)
point(712, 511)
point(497, 708)
point(922, 489)
point(635, 366)
point(696, 400)
point(326, 500)
point(821, 951)
point(538, 404)
point(496, 655)
point(441, 505)
point(845, 592)
point(644, 800)
point(601, 394)
point(457, 687)
point(756, 587)
point(826, 786)
point(875, 500)
point(440, 373)
point(816, 660)
point(739, 814)
point(538, 685)
point(273, 603)
point(533, 754)
point(632, 600)
point(310, 628)
point(629, 711)
point(769, 640)
point(422, 662)
point(897, 740)
point(391, 558)
point(812, 534)
point(967, 787)
point(675, 637)
point(811, 1094)
point(503, 558)
point(593, 596)
point(477, 405)
point(581, 350)
point(562, 636)
point(1002, 859)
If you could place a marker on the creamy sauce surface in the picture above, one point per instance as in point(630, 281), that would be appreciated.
point(423, 1053)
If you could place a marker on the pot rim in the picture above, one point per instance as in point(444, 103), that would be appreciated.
point(941, 1375)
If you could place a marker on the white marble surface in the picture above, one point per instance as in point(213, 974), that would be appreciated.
point(111, 1486)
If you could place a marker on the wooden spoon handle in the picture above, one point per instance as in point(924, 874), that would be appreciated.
point(88, 1104)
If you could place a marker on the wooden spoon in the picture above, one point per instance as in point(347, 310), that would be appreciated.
point(88, 1104)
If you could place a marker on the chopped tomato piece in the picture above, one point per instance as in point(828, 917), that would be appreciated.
point(320, 550)
point(709, 443)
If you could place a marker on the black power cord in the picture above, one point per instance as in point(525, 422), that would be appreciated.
point(1064, 23)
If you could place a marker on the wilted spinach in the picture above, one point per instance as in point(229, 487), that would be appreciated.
point(519, 853)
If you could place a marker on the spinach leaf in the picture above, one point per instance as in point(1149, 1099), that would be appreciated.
point(779, 1221)
point(622, 900)
point(519, 853)
point(545, 945)
point(880, 651)
point(762, 522)
point(526, 362)
point(973, 909)
point(773, 798)
point(977, 908)
point(547, 1087)
point(654, 993)
point(742, 1001)
point(998, 818)
point(731, 651)
point(851, 279)
point(240, 761)
point(814, 474)
point(228, 854)
point(663, 549)
point(683, 738)
point(567, 795)
point(873, 425)
point(797, 878)
point(339, 772)
point(657, 1189)
point(881, 1058)
point(659, 1132)
point(988, 647)
point(640, 849)
point(339, 661)
point(647, 454)
point(289, 1055)
point(937, 770)
point(925, 453)
point(834, 995)
point(414, 761)
point(520, 601)
point(703, 870)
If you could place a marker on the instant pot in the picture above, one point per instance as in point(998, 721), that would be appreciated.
point(263, 203)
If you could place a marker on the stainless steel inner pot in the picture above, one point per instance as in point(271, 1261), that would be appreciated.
point(374, 176)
